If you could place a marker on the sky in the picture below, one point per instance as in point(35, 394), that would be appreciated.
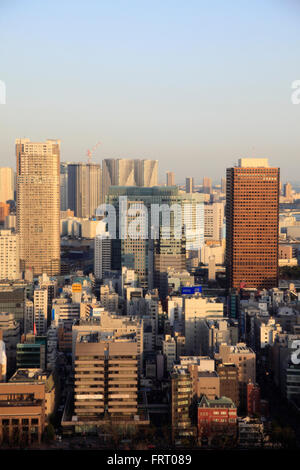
point(193, 84)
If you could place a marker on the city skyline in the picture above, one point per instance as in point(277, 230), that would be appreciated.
point(229, 98)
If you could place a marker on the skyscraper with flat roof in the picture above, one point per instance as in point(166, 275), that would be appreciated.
point(189, 185)
point(7, 178)
point(170, 177)
point(252, 218)
point(84, 188)
point(38, 205)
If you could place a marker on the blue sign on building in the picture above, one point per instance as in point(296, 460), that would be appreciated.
point(190, 290)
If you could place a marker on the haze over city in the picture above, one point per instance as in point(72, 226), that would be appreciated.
point(193, 84)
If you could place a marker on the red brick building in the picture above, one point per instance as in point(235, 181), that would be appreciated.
point(217, 416)
point(253, 399)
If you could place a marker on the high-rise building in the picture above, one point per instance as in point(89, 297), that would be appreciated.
point(137, 252)
point(146, 172)
point(4, 212)
point(223, 185)
point(40, 305)
point(9, 255)
point(7, 184)
point(170, 177)
point(207, 185)
point(288, 191)
point(38, 205)
point(252, 224)
point(102, 251)
point(213, 221)
point(64, 206)
point(189, 185)
point(84, 188)
point(126, 172)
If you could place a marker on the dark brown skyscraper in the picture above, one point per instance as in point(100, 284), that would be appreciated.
point(252, 213)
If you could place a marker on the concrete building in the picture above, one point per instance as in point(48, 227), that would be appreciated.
point(207, 185)
point(22, 418)
point(38, 205)
point(125, 172)
point(10, 335)
point(38, 376)
point(245, 360)
point(9, 255)
point(213, 221)
point(84, 188)
point(40, 307)
point(102, 251)
point(106, 377)
point(196, 308)
point(169, 351)
point(170, 178)
point(229, 381)
point(189, 185)
point(119, 326)
point(7, 184)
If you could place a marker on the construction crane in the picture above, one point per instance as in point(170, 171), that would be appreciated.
point(89, 153)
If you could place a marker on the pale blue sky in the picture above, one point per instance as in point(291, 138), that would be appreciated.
point(194, 84)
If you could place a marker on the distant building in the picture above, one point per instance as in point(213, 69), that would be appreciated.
point(170, 178)
point(189, 185)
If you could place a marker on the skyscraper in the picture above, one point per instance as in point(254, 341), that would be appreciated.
point(170, 176)
point(84, 188)
point(146, 173)
point(207, 185)
point(189, 185)
point(102, 251)
point(252, 213)
point(138, 253)
point(64, 186)
point(6, 184)
point(126, 172)
point(38, 204)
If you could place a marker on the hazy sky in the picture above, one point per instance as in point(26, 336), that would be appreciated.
point(194, 84)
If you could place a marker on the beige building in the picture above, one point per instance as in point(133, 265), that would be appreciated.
point(170, 178)
point(9, 255)
point(7, 183)
point(38, 205)
point(106, 376)
point(213, 221)
point(127, 172)
point(119, 326)
point(245, 360)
